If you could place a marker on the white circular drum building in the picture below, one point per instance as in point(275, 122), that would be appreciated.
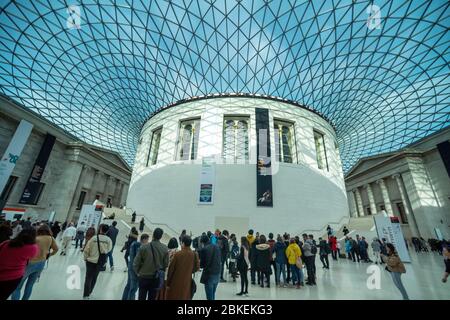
point(196, 167)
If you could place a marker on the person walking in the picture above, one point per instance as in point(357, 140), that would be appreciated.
point(179, 276)
point(56, 229)
point(141, 225)
point(47, 248)
point(355, 248)
point(67, 237)
point(79, 237)
point(280, 261)
point(150, 262)
point(396, 267)
point(294, 259)
point(112, 234)
point(14, 256)
point(129, 292)
point(333, 246)
point(222, 242)
point(210, 262)
point(243, 264)
point(324, 251)
point(90, 232)
point(95, 254)
point(376, 249)
point(263, 257)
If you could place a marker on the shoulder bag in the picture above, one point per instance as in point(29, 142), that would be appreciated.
point(102, 257)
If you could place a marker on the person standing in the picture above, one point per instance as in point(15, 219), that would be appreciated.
point(376, 248)
point(243, 263)
point(67, 238)
point(95, 254)
point(183, 233)
point(133, 217)
point(141, 225)
point(129, 292)
point(179, 275)
point(333, 245)
point(47, 248)
point(210, 262)
point(252, 256)
point(14, 256)
point(294, 254)
point(271, 243)
point(396, 267)
point(234, 254)
point(286, 241)
point(324, 250)
point(222, 242)
point(355, 248)
point(132, 237)
point(308, 259)
point(149, 264)
point(263, 258)
point(112, 234)
point(250, 237)
point(90, 232)
point(27, 224)
point(280, 261)
point(79, 237)
point(348, 248)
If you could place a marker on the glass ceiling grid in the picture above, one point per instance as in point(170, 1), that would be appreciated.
point(381, 86)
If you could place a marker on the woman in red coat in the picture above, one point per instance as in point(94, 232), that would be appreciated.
point(333, 245)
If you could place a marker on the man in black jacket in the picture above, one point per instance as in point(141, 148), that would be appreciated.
point(112, 234)
point(210, 262)
point(252, 258)
point(224, 247)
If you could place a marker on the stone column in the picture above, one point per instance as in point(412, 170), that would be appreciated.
point(411, 219)
point(373, 207)
point(359, 202)
point(352, 207)
point(386, 200)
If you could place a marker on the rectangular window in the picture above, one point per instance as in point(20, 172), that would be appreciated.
point(154, 147)
point(401, 211)
point(8, 189)
point(284, 141)
point(81, 200)
point(188, 139)
point(235, 138)
point(321, 153)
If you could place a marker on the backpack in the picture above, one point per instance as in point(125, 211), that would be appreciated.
point(234, 251)
point(313, 248)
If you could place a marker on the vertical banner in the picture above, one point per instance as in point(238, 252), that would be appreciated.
point(392, 232)
point(34, 186)
point(13, 152)
point(264, 194)
point(207, 180)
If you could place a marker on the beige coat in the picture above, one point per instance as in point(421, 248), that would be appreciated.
point(91, 253)
point(183, 264)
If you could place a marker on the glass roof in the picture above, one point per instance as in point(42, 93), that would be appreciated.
point(378, 70)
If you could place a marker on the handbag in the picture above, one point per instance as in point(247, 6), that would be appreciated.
point(102, 257)
point(299, 262)
point(159, 274)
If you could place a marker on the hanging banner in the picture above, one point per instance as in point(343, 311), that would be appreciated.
point(13, 152)
point(390, 229)
point(264, 195)
point(34, 186)
point(207, 180)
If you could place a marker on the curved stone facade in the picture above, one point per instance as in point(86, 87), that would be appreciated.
point(165, 188)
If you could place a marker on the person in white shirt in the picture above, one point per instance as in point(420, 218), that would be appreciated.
point(67, 237)
point(79, 238)
point(16, 229)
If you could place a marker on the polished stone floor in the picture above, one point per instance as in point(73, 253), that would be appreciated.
point(344, 280)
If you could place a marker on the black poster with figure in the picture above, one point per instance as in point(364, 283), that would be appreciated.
point(264, 194)
point(34, 185)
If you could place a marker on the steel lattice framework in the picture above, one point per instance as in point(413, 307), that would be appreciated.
point(378, 70)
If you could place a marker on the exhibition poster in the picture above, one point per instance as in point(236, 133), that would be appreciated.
point(392, 232)
point(207, 177)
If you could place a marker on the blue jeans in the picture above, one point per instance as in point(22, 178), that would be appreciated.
point(32, 273)
point(211, 286)
point(110, 257)
point(280, 268)
point(129, 293)
point(297, 274)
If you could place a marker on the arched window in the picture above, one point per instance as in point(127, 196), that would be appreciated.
point(284, 141)
point(188, 139)
point(235, 138)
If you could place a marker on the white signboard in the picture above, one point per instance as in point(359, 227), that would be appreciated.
point(13, 152)
point(392, 232)
point(207, 179)
point(90, 215)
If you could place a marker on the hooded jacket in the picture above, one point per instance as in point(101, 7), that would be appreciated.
point(263, 257)
point(280, 251)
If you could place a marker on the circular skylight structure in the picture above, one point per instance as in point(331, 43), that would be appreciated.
point(378, 70)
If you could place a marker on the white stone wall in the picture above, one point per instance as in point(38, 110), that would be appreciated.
point(305, 198)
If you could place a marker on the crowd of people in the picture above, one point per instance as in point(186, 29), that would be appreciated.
point(157, 271)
